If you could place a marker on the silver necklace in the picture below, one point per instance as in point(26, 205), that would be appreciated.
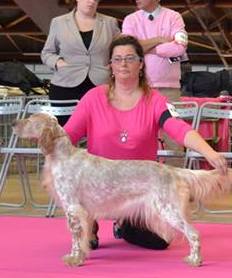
point(123, 133)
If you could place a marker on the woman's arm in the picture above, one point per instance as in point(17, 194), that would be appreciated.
point(150, 44)
point(50, 52)
point(194, 141)
point(76, 126)
point(183, 134)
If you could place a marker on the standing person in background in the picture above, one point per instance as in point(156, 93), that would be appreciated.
point(162, 34)
point(77, 49)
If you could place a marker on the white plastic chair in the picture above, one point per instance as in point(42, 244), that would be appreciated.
point(21, 151)
point(187, 111)
point(10, 110)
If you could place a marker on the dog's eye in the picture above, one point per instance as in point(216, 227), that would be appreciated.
point(33, 124)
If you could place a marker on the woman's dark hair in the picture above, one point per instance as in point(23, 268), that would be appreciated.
point(72, 4)
point(130, 40)
point(127, 40)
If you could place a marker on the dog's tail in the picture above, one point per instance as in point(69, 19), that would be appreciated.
point(205, 184)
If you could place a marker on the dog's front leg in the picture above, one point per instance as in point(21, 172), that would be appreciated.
point(78, 225)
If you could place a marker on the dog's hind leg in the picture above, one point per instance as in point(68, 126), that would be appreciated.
point(78, 225)
point(173, 216)
point(194, 258)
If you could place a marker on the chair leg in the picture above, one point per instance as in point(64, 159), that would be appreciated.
point(24, 174)
point(51, 208)
point(225, 211)
point(4, 170)
point(3, 180)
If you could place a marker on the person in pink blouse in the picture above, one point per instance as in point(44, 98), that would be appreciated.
point(161, 31)
point(121, 120)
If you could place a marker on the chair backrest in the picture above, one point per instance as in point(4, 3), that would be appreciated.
point(214, 124)
point(23, 146)
point(188, 111)
point(10, 110)
point(214, 110)
point(215, 118)
point(43, 105)
point(54, 107)
point(11, 106)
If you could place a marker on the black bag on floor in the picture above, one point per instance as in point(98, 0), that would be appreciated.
point(206, 84)
point(15, 74)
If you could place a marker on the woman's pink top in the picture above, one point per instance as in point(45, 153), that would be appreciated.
point(117, 134)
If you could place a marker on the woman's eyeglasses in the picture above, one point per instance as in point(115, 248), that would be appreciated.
point(129, 59)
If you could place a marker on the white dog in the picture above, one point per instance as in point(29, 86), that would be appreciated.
point(91, 187)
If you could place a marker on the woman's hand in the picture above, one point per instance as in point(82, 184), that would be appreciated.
point(218, 161)
point(61, 63)
point(194, 141)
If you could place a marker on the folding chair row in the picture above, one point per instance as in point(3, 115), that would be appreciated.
point(213, 121)
point(21, 150)
point(213, 113)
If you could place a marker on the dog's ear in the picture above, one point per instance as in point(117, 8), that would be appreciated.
point(46, 141)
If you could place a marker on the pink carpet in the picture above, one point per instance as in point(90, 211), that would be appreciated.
point(33, 247)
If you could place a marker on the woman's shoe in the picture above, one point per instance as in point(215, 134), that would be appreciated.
point(94, 244)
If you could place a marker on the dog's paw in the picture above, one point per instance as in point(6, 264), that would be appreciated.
point(193, 261)
point(71, 260)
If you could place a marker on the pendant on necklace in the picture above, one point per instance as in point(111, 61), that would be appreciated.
point(123, 136)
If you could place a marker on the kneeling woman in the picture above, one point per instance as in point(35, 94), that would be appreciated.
point(122, 119)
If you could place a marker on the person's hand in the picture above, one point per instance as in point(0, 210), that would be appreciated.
point(61, 63)
point(181, 37)
point(218, 161)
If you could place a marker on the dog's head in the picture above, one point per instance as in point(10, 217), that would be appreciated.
point(42, 127)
